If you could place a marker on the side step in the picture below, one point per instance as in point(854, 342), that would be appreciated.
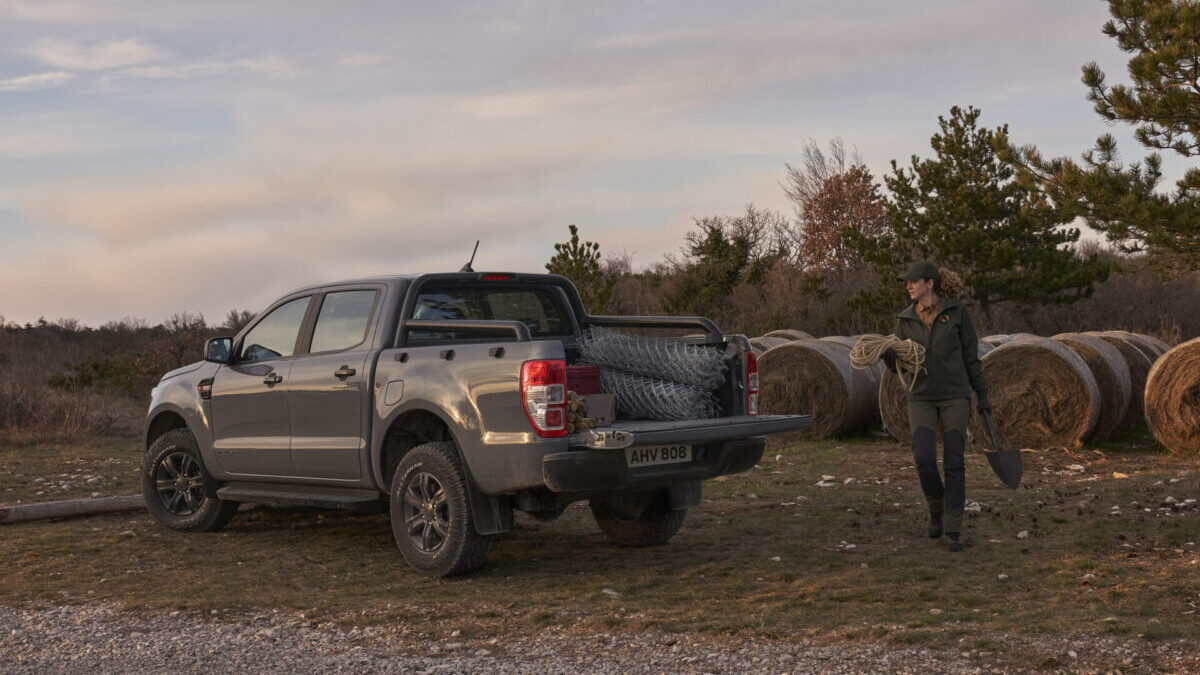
point(303, 495)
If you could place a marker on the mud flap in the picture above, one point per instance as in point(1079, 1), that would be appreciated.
point(492, 515)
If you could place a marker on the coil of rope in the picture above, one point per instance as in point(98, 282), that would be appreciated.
point(909, 356)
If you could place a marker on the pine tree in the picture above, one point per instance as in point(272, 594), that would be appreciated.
point(1163, 101)
point(963, 209)
point(579, 261)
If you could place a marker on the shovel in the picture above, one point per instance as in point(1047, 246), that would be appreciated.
point(1006, 463)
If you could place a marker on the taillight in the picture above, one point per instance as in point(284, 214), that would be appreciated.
point(751, 383)
point(544, 396)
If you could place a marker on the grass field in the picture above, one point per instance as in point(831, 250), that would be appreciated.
point(1090, 546)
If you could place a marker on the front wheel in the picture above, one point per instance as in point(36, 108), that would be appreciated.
point(637, 518)
point(431, 518)
point(173, 486)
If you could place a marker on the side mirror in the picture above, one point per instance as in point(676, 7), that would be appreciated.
point(219, 350)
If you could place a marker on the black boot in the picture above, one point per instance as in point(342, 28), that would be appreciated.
point(956, 544)
point(935, 522)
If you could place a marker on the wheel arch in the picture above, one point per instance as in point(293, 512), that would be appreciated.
point(419, 424)
point(163, 421)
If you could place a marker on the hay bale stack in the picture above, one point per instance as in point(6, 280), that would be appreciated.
point(1042, 394)
point(1112, 377)
point(893, 402)
point(814, 377)
point(762, 344)
point(1173, 399)
point(1139, 368)
point(789, 334)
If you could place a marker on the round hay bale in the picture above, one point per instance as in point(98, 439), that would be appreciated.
point(1042, 395)
point(1112, 377)
point(844, 340)
point(789, 334)
point(1139, 368)
point(1161, 346)
point(1151, 347)
point(814, 377)
point(893, 402)
point(874, 373)
point(996, 340)
point(762, 344)
point(1173, 398)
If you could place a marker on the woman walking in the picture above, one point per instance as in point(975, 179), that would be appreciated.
point(941, 395)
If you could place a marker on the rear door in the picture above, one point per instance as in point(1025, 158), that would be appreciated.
point(329, 384)
point(250, 422)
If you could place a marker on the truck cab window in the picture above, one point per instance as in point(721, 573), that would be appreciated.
point(275, 336)
point(540, 308)
point(343, 320)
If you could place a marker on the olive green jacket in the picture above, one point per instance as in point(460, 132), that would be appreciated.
point(952, 365)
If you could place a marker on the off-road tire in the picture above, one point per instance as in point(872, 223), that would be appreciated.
point(173, 485)
point(637, 519)
point(431, 514)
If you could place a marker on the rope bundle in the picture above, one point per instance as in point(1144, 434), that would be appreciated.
point(909, 356)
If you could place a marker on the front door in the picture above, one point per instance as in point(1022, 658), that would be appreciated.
point(250, 421)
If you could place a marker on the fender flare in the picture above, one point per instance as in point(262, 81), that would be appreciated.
point(491, 514)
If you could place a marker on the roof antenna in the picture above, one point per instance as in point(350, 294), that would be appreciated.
point(467, 267)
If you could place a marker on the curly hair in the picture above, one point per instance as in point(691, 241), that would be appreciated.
point(950, 285)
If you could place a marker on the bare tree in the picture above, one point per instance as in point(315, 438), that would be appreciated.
point(832, 194)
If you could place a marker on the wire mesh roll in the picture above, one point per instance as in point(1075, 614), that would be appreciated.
point(650, 398)
point(700, 366)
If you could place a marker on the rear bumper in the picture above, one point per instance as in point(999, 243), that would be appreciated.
point(592, 470)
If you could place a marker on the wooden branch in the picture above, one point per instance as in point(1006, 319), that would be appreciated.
point(70, 508)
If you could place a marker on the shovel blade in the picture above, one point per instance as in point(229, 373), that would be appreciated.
point(1005, 463)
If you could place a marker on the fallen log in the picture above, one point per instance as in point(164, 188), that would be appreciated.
point(69, 508)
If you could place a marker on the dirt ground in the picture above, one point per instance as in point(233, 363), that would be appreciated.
point(1090, 566)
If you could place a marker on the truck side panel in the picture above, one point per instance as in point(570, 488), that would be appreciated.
point(475, 389)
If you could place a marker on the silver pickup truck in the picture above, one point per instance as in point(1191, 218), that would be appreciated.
point(441, 399)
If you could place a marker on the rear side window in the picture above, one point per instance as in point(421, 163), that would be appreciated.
point(540, 308)
point(275, 336)
point(343, 320)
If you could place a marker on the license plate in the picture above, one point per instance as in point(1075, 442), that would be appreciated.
point(653, 455)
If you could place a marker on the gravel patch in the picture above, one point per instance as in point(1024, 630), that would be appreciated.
point(104, 639)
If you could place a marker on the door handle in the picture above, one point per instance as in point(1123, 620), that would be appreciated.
point(273, 378)
point(344, 372)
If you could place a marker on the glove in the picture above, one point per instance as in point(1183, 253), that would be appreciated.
point(982, 405)
point(889, 358)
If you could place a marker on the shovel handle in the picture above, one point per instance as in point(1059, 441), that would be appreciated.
point(991, 427)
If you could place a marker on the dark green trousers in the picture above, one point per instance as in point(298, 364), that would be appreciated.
point(950, 416)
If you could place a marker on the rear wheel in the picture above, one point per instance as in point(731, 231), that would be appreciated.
point(173, 485)
point(637, 518)
point(430, 513)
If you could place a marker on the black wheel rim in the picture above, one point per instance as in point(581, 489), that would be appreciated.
point(426, 512)
point(179, 484)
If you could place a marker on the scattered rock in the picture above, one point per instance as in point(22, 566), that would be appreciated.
point(1023, 534)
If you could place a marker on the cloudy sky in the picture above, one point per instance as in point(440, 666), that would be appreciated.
point(160, 156)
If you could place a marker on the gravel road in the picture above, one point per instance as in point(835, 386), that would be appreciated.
point(104, 639)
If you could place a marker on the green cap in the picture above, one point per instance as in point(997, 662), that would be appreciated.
point(921, 270)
